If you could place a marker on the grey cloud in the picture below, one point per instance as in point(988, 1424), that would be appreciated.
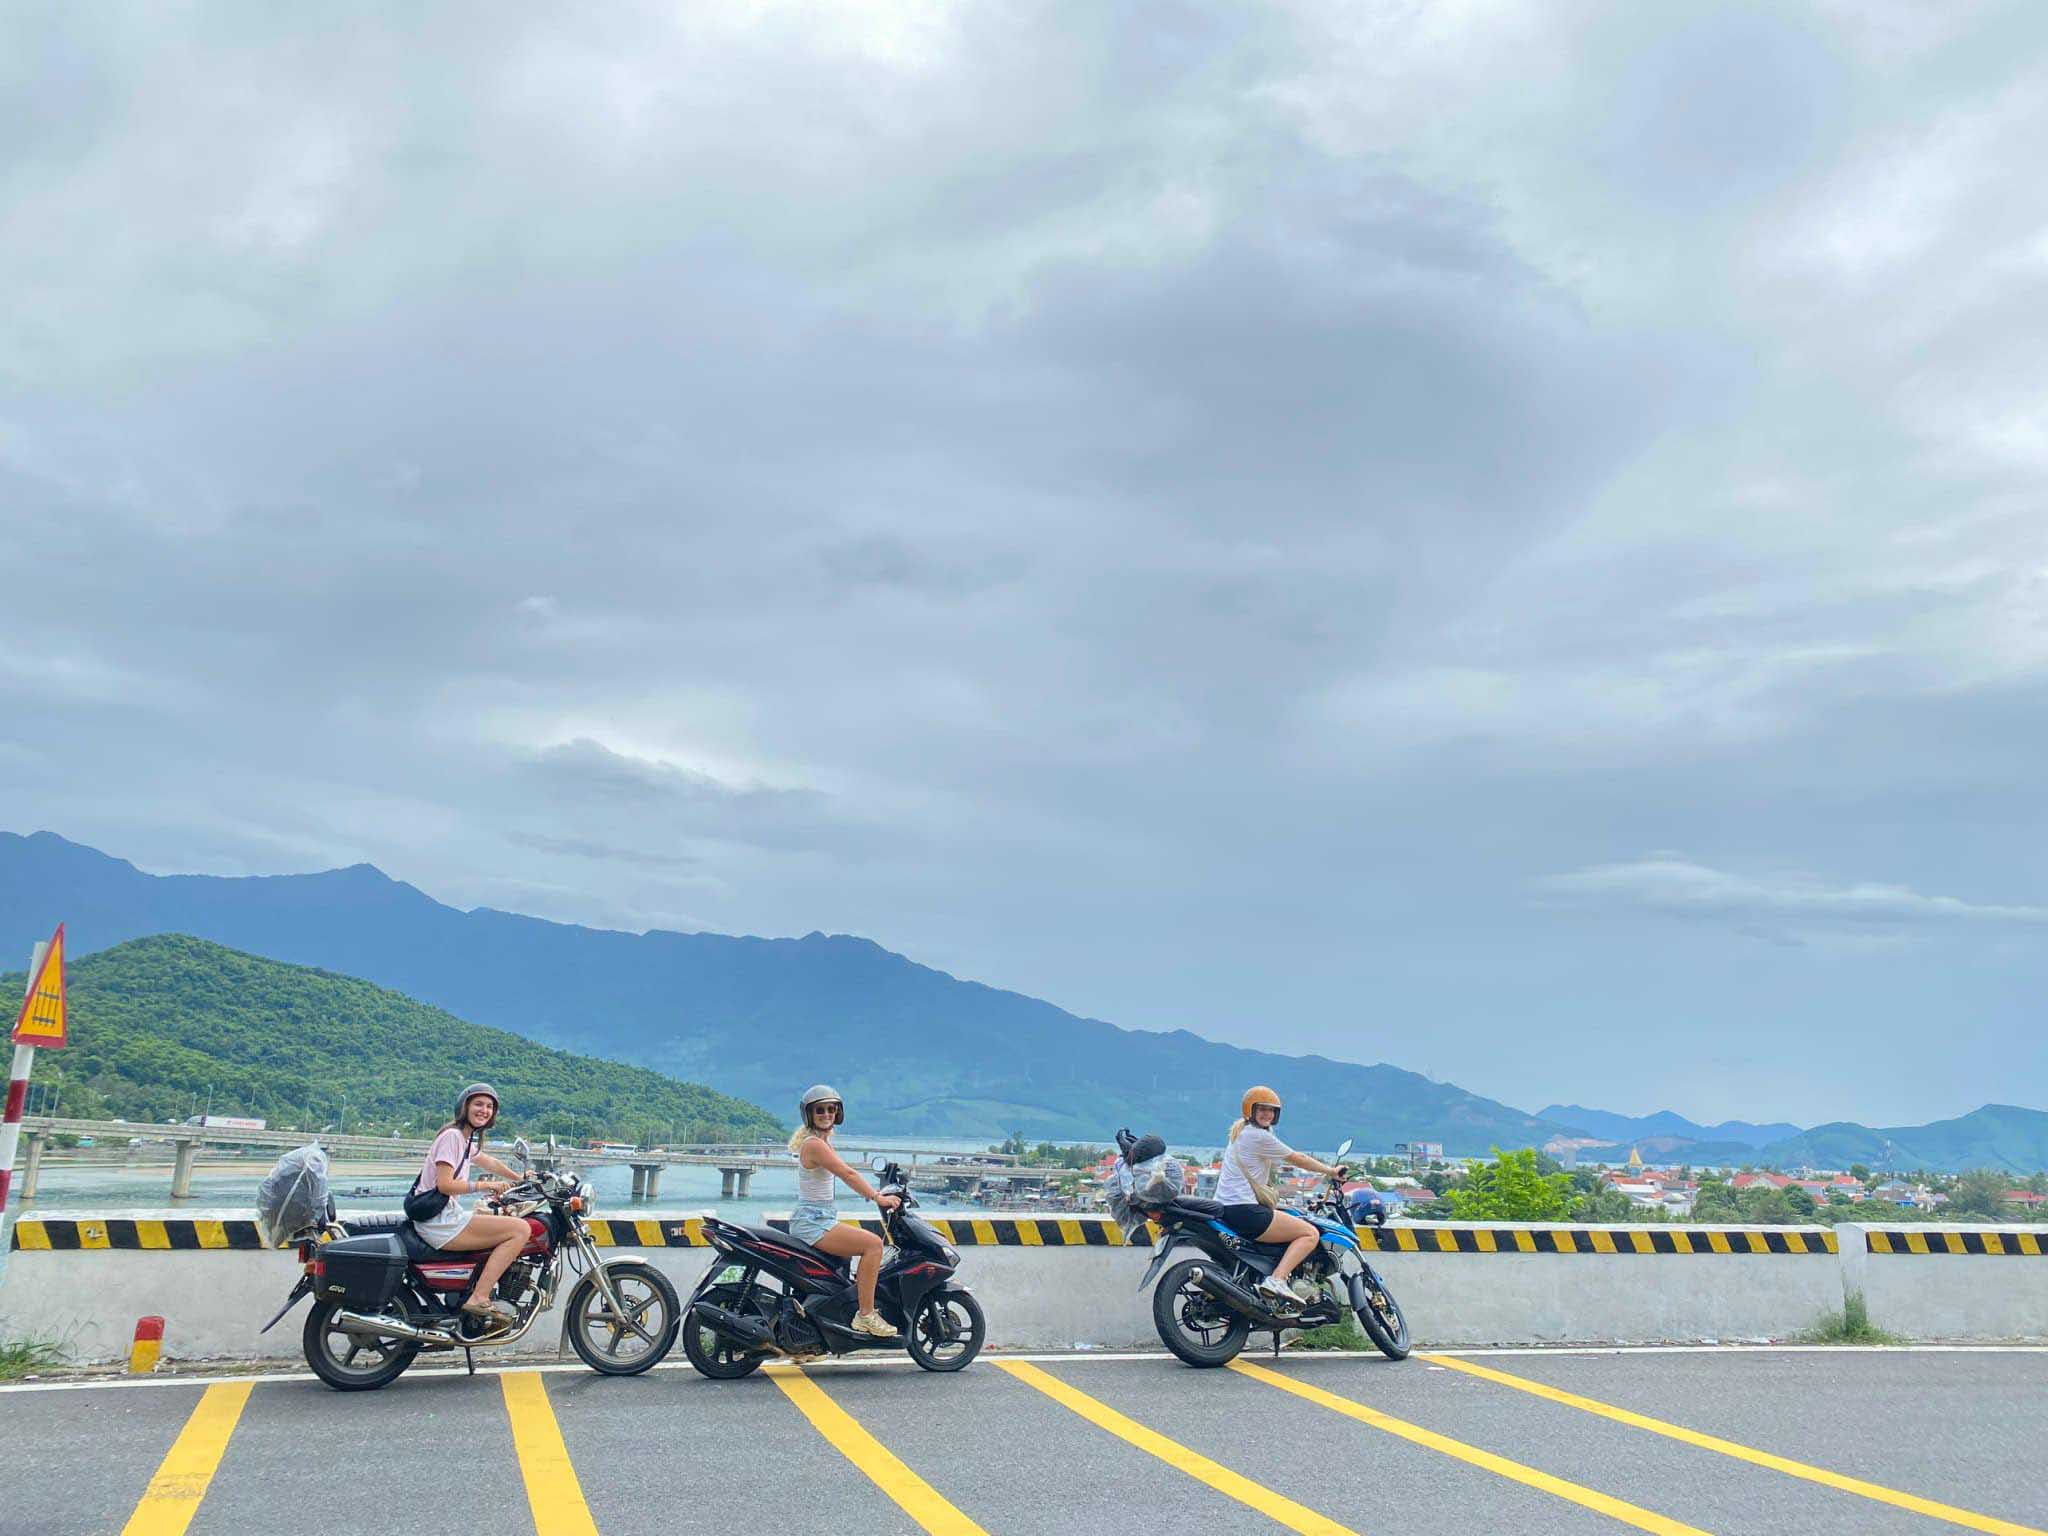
point(1770, 904)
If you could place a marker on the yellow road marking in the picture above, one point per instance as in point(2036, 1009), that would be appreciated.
point(1027, 1233)
point(30, 1235)
point(1606, 1504)
point(1296, 1517)
point(912, 1494)
point(151, 1234)
point(984, 1230)
point(1790, 1468)
point(1070, 1232)
point(187, 1469)
point(211, 1233)
point(552, 1491)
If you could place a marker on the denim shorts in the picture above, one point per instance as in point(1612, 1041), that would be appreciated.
point(811, 1221)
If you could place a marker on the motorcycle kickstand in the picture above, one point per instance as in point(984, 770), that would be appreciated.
point(1276, 1343)
point(469, 1359)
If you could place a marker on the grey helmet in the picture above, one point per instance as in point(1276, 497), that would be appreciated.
point(819, 1093)
point(462, 1104)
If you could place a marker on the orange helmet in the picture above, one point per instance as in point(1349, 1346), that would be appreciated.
point(1260, 1095)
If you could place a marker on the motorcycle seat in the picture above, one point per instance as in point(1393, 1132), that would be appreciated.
point(400, 1226)
point(783, 1235)
point(1190, 1205)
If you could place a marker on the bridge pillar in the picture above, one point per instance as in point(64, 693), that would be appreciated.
point(32, 1170)
point(654, 1181)
point(639, 1181)
point(726, 1178)
point(746, 1179)
point(181, 1169)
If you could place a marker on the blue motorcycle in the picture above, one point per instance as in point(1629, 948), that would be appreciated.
point(1206, 1305)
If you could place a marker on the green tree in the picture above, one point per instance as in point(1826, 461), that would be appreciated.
point(1860, 1172)
point(1512, 1187)
point(1604, 1204)
point(1981, 1193)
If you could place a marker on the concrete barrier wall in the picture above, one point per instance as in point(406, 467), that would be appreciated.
point(1062, 1283)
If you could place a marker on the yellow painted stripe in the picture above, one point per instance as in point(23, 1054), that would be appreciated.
point(211, 1234)
point(1916, 1242)
point(984, 1230)
point(1955, 1242)
point(1446, 1240)
point(187, 1469)
point(1754, 1457)
point(945, 1228)
point(1296, 1517)
point(1603, 1242)
point(1027, 1232)
point(693, 1232)
point(649, 1233)
point(1993, 1243)
point(552, 1491)
point(1567, 1242)
point(911, 1493)
point(1606, 1504)
point(1641, 1243)
point(1718, 1241)
point(1486, 1241)
point(1070, 1231)
point(1878, 1242)
point(1795, 1242)
point(92, 1234)
point(1682, 1241)
point(1525, 1241)
point(2030, 1245)
point(31, 1235)
point(151, 1234)
point(1404, 1240)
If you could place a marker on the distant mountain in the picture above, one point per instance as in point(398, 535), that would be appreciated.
point(162, 1025)
point(1996, 1136)
point(915, 1051)
point(1665, 1123)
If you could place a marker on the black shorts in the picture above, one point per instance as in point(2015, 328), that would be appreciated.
point(1247, 1221)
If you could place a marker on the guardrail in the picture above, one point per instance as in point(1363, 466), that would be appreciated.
point(1069, 1281)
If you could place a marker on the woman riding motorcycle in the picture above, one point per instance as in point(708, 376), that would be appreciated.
point(454, 1228)
point(1245, 1190)
point(816, 1218)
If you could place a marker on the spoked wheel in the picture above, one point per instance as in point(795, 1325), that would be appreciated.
point(352, 1362)
point(946, 1332)
point(1192, 1323)
point(710, 1351)
point(641, 1332)
point(1382, 1320)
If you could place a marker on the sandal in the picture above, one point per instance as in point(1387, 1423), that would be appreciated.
point(490, 1311)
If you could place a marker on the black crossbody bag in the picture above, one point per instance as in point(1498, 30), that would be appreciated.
point(426, 1204)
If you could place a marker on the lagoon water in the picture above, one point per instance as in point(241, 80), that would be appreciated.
point(103, 1188)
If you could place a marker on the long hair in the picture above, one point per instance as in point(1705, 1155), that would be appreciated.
point(1235, 1127)
point(804, 1133)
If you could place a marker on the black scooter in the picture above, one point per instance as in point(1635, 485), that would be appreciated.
point(768, 1295)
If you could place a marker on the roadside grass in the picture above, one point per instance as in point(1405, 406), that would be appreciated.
point(1344, 1335)
point(1851, 1325)
point(24, 1357)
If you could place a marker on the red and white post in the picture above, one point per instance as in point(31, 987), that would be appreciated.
point(17, 1101)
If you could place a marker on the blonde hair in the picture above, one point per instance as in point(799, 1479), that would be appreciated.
point(1235, 1127)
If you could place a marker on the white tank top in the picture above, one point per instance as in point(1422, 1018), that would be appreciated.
point(813, 1185)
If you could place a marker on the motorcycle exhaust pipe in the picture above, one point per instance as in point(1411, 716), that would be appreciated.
point(741, 1330)
point(1231, 1294)
point(391, 1328)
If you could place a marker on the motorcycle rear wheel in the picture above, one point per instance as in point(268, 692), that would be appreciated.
point(946, 1331)
point(1383, 1321)
point(1193, 1324)
point(609, 1346)
point(350, 1362)
point(710, 1351)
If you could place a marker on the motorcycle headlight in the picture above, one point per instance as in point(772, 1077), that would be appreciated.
point(952, 1254)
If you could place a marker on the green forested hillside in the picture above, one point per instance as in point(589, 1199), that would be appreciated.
point(155, 1022)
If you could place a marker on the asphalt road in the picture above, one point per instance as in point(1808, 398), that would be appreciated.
point(1668, 1441)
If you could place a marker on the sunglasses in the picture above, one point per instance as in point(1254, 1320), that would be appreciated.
point(837, 1111)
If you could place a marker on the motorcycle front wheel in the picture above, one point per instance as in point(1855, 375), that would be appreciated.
point(626, 1343)
point(1382, 1320)
point(1193, 1324)
point(351, 1362)
point(946, 1331)
point(710, 1351)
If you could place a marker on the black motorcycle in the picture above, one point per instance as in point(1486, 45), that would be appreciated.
point(1206, 1307)
point(768, 1294)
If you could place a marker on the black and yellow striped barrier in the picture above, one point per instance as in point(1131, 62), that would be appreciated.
point(185, 1234)
point(1910, 1240)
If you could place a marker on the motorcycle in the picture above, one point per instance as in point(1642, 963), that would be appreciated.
point(768, 1294)
point(1206, 1307)
point(382, 1294)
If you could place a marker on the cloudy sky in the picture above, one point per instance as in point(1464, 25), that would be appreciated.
point(1502, 537)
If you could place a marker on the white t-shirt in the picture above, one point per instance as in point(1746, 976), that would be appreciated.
point(1253, 1156)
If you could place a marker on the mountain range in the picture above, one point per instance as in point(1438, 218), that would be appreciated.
point(914, 1050)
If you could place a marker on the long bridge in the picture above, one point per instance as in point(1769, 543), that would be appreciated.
point(735, 1161)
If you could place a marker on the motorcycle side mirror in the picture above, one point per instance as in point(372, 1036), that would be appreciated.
point(521, 1151)
point(1344, 1150)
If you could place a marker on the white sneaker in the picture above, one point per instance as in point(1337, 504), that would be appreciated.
point(874, 1325)
point(1276, 1291)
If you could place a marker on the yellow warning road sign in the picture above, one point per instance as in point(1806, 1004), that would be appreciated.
point(42, 1011)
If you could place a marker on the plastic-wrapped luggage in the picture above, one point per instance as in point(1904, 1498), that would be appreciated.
point(1133, 1190)
point(293, 1196)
